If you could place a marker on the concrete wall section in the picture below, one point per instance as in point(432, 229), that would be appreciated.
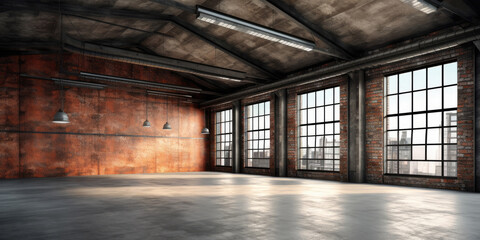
point(105, 134)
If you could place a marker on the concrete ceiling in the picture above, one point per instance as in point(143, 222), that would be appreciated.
point(169, 28)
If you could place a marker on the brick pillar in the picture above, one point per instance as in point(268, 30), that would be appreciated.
point(477, 116)
point(237, 136)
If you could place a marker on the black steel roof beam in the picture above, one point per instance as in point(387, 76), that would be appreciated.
point(338, 49)
point(221, 45)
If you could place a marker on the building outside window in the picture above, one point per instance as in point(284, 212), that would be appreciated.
point(257, 122)
point(421, 122)
point(319, 130)
point(223, 137)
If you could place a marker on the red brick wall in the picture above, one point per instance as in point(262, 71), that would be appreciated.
point(105, 134)
point(292, 130)
point(466, 135)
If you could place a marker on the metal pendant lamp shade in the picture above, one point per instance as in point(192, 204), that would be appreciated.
point(167, 126)
point(146, 123)
point(60, 117)
point(205, 130)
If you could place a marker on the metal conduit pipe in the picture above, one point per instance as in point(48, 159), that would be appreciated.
point(423, 47)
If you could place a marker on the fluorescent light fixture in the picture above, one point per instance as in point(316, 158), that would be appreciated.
point(139, 82)
point(253, 29)
point(158, 93)
point(78, 83)
point(421, 5)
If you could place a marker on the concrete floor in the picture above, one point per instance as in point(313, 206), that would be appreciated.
point(226, 206)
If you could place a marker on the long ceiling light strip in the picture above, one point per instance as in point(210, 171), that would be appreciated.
point(139, 82)
point(78, 83)
point(159, 93)
point(253, 29)
point(421, 5)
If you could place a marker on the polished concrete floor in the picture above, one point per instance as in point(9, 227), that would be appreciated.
point(226, 206)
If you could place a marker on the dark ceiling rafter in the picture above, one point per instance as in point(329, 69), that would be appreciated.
point(465, 12)
point(337, 48)
point(175, 4)
point(224, 47)
point(103, 12)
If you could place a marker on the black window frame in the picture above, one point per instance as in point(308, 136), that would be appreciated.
point(219, 133)
point(266, 137)
point(335, 155)
point(412, 113)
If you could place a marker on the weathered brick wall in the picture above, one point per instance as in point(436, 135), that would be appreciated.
point(292, 129)
point(465, 179)
point(105, 135)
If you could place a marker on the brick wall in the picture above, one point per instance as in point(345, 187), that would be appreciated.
point(465, 179)
point(105, 135)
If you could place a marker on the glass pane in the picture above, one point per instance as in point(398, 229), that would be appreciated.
point(255, 124)
point(267, 107)
point(419, 120)
point(392, 167)
point(311, 130)
point(337, 140)
point(329, 96)
point(320, 98)
point(303, 153)
point(435, 119)
point(311, 99)
point(450, 135)
point(435, 76)
point(311, 142)
point(255, 110)
point(405, 103)
point(337, 128)
point(261, 123)
point(392, 123)
point(303, 116)
point(392, 152)
point(303, 101)
point(418, 152)
point(328, 113)
point(419, 79)
point(405, 122)
point(392, 104)
point(320, 141)
point(267, 122)
point(329, 128)
point(450, 118)
point(392, 137)
point(450, 152)
point(450, 97)
point(303, 164)
point(261, 134)
point(249, 111)
point(392, 84)
point(320, 129)
point(418, 136)
point(404, 152)
point(421, 168)
point(303, 142)
point(311, 115)
point(435, 99)
point(450, 73)
point(320, 114)
point(434, 152)
point(420, 101)
point(434, 135)
point(405, 137)
point(337, 112)
point(450, 169)
point(405, 82)
point(261, 109)
point(337, 95)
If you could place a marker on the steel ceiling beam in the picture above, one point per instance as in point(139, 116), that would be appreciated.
point(337, 49)
point(103, 12)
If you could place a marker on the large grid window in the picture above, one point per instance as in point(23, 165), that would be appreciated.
point(258, 135)
point(319, 128)
point(421, 122)
point(223, 136)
